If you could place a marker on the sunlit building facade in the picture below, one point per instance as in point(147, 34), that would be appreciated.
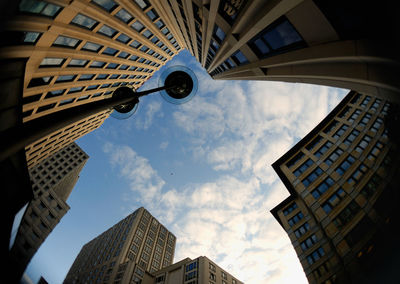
point(53, 180)
point(123, 253)
point(191, 271)
point(343, 179)
point(79, 52)
point(347, 44)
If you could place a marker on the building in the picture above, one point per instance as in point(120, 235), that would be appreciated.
point(344, 44)
point(52, 181)
point(79, 52)
point(342, 180)
point(191, 271)
point(123, 253)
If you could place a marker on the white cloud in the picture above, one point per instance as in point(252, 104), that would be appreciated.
point(239, 129)
point(164, 145)
point(151, 109)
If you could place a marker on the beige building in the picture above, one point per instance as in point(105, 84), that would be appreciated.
point(52, 181)
point(79, 52)
point(342, 179)
point(124, 252)
point(191, 271)
point(351, 45)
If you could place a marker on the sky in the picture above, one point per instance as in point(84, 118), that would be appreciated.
point(203, 169)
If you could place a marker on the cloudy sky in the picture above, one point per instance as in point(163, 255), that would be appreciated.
point(202, 168)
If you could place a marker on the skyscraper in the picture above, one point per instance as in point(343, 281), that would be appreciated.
point(332, 43)
point(124, 252)
point(80, 52)
point(52, 181)
point(342, 179)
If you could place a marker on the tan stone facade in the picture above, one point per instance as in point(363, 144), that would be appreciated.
point(123, 253)
point(52, 182)
point(192, 271)
point(342, 183)
point(79, 52)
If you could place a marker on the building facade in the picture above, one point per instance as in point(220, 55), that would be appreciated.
point(344, 44)
point(191, 271)
point(79, 52)
point(123, 253)
point(52, 181)
point(342, 179)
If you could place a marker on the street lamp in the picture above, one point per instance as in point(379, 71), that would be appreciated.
point(177, 84)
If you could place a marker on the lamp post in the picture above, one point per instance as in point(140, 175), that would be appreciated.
point(179, 84)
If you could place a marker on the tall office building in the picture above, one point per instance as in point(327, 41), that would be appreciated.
point(191, 271)
point(79, 52)
point(343, 184)
point(124, 252)
point(348, 44)
point(52, 181)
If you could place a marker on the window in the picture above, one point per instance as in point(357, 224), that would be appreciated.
point(303, 167)
point(296, 218)
point(152, 14)
point(52, 62)
point(344, 166)
point(334, 156)
point(309, 242)
point(124, 16)
point(85, 77)
point(331, 126)
point(138, 26)
point(107, 5)
point(31, 37)
point(66, 41)
point(377, 124)
point(363, 144)
point(302, 230)
point(333, 200)
point(323, 149)
point(312, 177)
point(345, 112)
point(97, 64)
point(351, 137)
point(295, 159)
point(365, 102)
point(65, 78)
point(77, 63)
point(90, 46)
point(278, 37)
point(354, 115)
point(229, 10)
point(347, 214)
point(191, 266)
point(289, 209)
point(366, 118)
point(239, 58)
point(84, 21)
point(123, 38)
point(211, 266)
point(314, 143)
point(340, 132)
point(110, 51)
point(358, 174)
point(322, 187)
point(219, 34)
point(371, 187)
point(212, 276)
point(39, 7)
point(107, 31)
point(315, 256)
point(143, 4)
point(376, 150)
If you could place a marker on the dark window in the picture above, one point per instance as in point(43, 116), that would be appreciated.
point(239, 58)
point(107, 5)
point(230, 9)
point(323, 149)
point(315, 256)
point(312, 177)
point(296, 218)
point(303, 167)
point(322, 187)
point(289, 209)
point(333, 200)
point(302, 230)
point(345, 165)
point(39, 7)
point(278, 37)
point(347, 214)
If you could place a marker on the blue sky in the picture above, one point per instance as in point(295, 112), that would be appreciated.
point(207, 163)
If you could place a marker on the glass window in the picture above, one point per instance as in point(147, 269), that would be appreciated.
point(340, 132)
point(302, 230)
point(296, 218)
point(239, 58)
point(107, 5)
point(77, 62)
point(39, 7)
point(278, 36)
point(84, 21)
point(135, 44)
point(110, 51)
point(123, 38)
point(52, 62)
point(303, 167)
point(107, 31)
point(347, 214)
point(152, 14)
point(66, 41)
point(358, 174)
point(143, 4)
point(219, 34)
point(65, 78)
point(97, 64)
point(312, 177)
point(85, 77)
point(322, 187)
point(345, 165)
point(363, 144)
point(123, 54)
point(289, 209)
point(147, 33)
point(351, 137)
point(124, 16)
point(333, 200)
point(138, 26)
point(31, 37)
point(90, 46)
point(322, 150)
